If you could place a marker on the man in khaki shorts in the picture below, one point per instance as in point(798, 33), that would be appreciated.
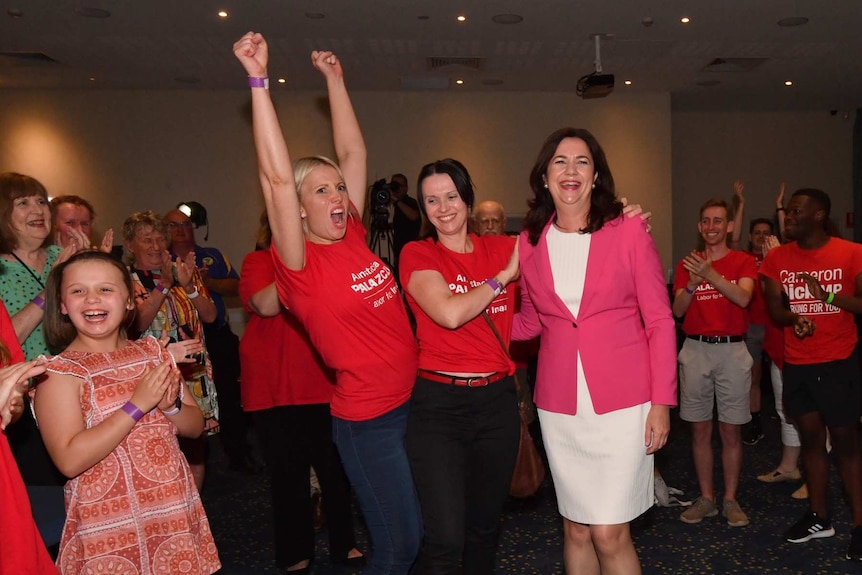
point(712, 288)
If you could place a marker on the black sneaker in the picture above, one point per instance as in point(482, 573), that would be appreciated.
point(812, 527)
point(854, 552)
point(752, 434)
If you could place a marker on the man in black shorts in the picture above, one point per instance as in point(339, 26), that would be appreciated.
point(822, 277)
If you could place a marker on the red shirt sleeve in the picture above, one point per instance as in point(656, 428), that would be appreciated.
point(258, 271)
point(8, 337)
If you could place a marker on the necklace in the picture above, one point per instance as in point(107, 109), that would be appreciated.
point(29, 269)
point(563, 229)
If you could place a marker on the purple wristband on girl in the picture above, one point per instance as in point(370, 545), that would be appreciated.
point(132, 411)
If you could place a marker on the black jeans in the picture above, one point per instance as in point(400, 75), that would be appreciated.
point(462, 443)
point(294, 437)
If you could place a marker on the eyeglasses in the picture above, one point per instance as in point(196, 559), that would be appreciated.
point(174, 225)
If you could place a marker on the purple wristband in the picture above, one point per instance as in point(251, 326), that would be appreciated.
point(132, 410)
point(258, 82)
point(162, 289)
point(39, 302)
point(689, 291)
point(494, 285)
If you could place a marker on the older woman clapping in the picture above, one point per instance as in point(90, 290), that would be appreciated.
point(26, 260)
point(172, 301)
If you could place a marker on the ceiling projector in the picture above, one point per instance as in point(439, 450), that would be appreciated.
point(595, 86)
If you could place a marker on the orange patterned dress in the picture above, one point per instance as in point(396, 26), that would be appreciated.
point(137, 511)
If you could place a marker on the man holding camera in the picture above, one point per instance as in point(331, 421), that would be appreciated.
point(406, 220)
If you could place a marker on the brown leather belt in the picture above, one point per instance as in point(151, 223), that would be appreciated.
point(462, 381)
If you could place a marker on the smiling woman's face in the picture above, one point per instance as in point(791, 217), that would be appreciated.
point(571, 173)
point(147, 246)
point(30, 218)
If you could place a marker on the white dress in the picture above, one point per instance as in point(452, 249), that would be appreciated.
point(601, 472)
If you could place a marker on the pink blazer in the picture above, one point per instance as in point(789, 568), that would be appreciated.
point(624, 331)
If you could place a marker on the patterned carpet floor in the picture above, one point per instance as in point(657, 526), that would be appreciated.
point(531, 539)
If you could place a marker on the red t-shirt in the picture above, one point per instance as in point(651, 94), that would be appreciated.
point(835, 266)
point(710, 313)
point(347, 299)
point(8, 337)
point(757, 313)
point(21, 548)
point(473, 347)
point(279, 365)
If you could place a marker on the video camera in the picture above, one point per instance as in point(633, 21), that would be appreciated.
point(381, 197)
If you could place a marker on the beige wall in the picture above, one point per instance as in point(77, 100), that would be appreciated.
point(711, 150)
point(136, 150)
point(131, 150)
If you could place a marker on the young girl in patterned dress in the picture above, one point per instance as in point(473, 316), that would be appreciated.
point(109, 412)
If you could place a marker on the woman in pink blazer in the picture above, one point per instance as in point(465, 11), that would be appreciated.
point(594, 289)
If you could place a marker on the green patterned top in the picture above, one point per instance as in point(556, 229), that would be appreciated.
point(17, 288)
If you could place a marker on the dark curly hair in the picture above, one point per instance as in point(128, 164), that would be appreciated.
point(604, 206)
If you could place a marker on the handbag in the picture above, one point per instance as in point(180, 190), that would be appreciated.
point(529, 468)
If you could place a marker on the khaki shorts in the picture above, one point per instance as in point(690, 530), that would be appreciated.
point(754, 340)
point(715, 373)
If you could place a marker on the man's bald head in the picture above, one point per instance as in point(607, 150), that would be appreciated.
point(490, 218)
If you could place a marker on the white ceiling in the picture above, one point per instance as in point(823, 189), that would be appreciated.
point(387, 45)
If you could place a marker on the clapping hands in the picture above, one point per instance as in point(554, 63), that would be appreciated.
point(14, 383)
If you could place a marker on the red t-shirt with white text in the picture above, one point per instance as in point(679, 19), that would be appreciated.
point(278, 363)
point(710, 313)
point(347, 299)
point(835, 265)
point(473, 347)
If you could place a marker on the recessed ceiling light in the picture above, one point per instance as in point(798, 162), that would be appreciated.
point(89, 12)
point(461, 18)
point(788, 82)
point(793, 21)
point(685, 19)
point(222, 13)
point(92, 79)
point(459, 81)
point(315, 15)
point(282, 81)
point(628, 82)
point(507, 19)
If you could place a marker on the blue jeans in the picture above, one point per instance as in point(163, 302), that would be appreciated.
point(375, 459)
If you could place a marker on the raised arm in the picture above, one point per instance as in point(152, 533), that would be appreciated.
point(780, 212)
point(739, 201)
point(273, 159)
point(346, 135)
